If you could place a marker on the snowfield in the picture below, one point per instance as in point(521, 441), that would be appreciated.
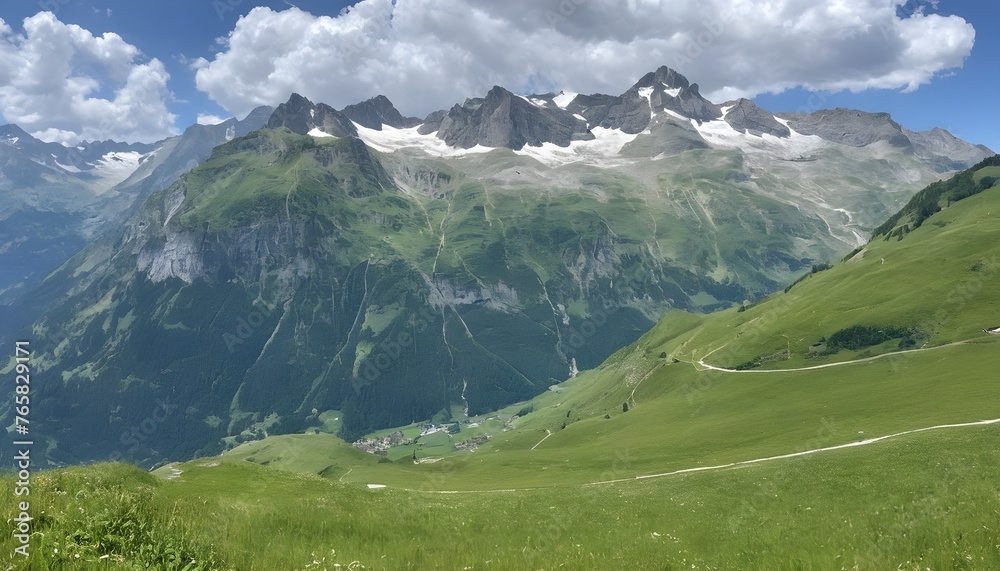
point(721, 134)
point(113, 168)
point(390, 140)
point(602, 150)
point(564, 98)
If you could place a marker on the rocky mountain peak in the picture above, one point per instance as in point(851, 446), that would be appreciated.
point(946, 151)
point(663, 89)
point(302, 116)
point(379, 111)
point(76, 159)
point(744, 115)
point(662, 76)
point(259, 115)
point(11, 130)
point(503, 119)
point(689, 103)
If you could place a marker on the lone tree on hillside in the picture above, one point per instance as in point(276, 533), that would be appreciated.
point(625, 406)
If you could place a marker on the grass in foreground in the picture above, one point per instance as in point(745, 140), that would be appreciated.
point(921, 501)
point(106, 516)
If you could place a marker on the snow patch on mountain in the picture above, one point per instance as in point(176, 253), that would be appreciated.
point(564, 98)
point(390, 140)
point(600, 151)
point(647, 92)
point(719, 133)
point(67, 168)
point(316, 132)
point(535, 101)
point(113, 168)
point(676, 115)
point(674, 91)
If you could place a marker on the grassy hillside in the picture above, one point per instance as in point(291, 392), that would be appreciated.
point(922, 501)
point(849, 439)
point(673, 395)
point(940, 194)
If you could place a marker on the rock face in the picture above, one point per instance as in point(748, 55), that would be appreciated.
point(657, 91)
point(744, 115)
point(671, 91)
point(62, 201)
point(378, 111)
point(503, 119)
point(629, 112)
point(302, 116)
point(665, 77)
point(178, 257)
point(849, 127)
point(945, 150)
point(690, 103)
point(432, 122)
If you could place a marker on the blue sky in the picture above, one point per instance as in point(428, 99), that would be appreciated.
point(173, 31)
point(963, 102)
point(430, 54)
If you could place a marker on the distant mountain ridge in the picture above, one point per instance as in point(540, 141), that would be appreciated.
point(849, 127)
point(61, 197)
point(74, 159)
point(119, 176)
point(503, 119)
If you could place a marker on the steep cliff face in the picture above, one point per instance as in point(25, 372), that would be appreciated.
point(301, 116)
point(378, 111)
point(744, 115)
point(503, 119)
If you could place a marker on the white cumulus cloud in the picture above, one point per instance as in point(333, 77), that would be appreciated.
point(428, 54)
point(61, 83)
point(209, 119)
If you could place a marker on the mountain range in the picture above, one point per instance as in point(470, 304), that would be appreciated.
point(61, 197)
point(396, 269)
